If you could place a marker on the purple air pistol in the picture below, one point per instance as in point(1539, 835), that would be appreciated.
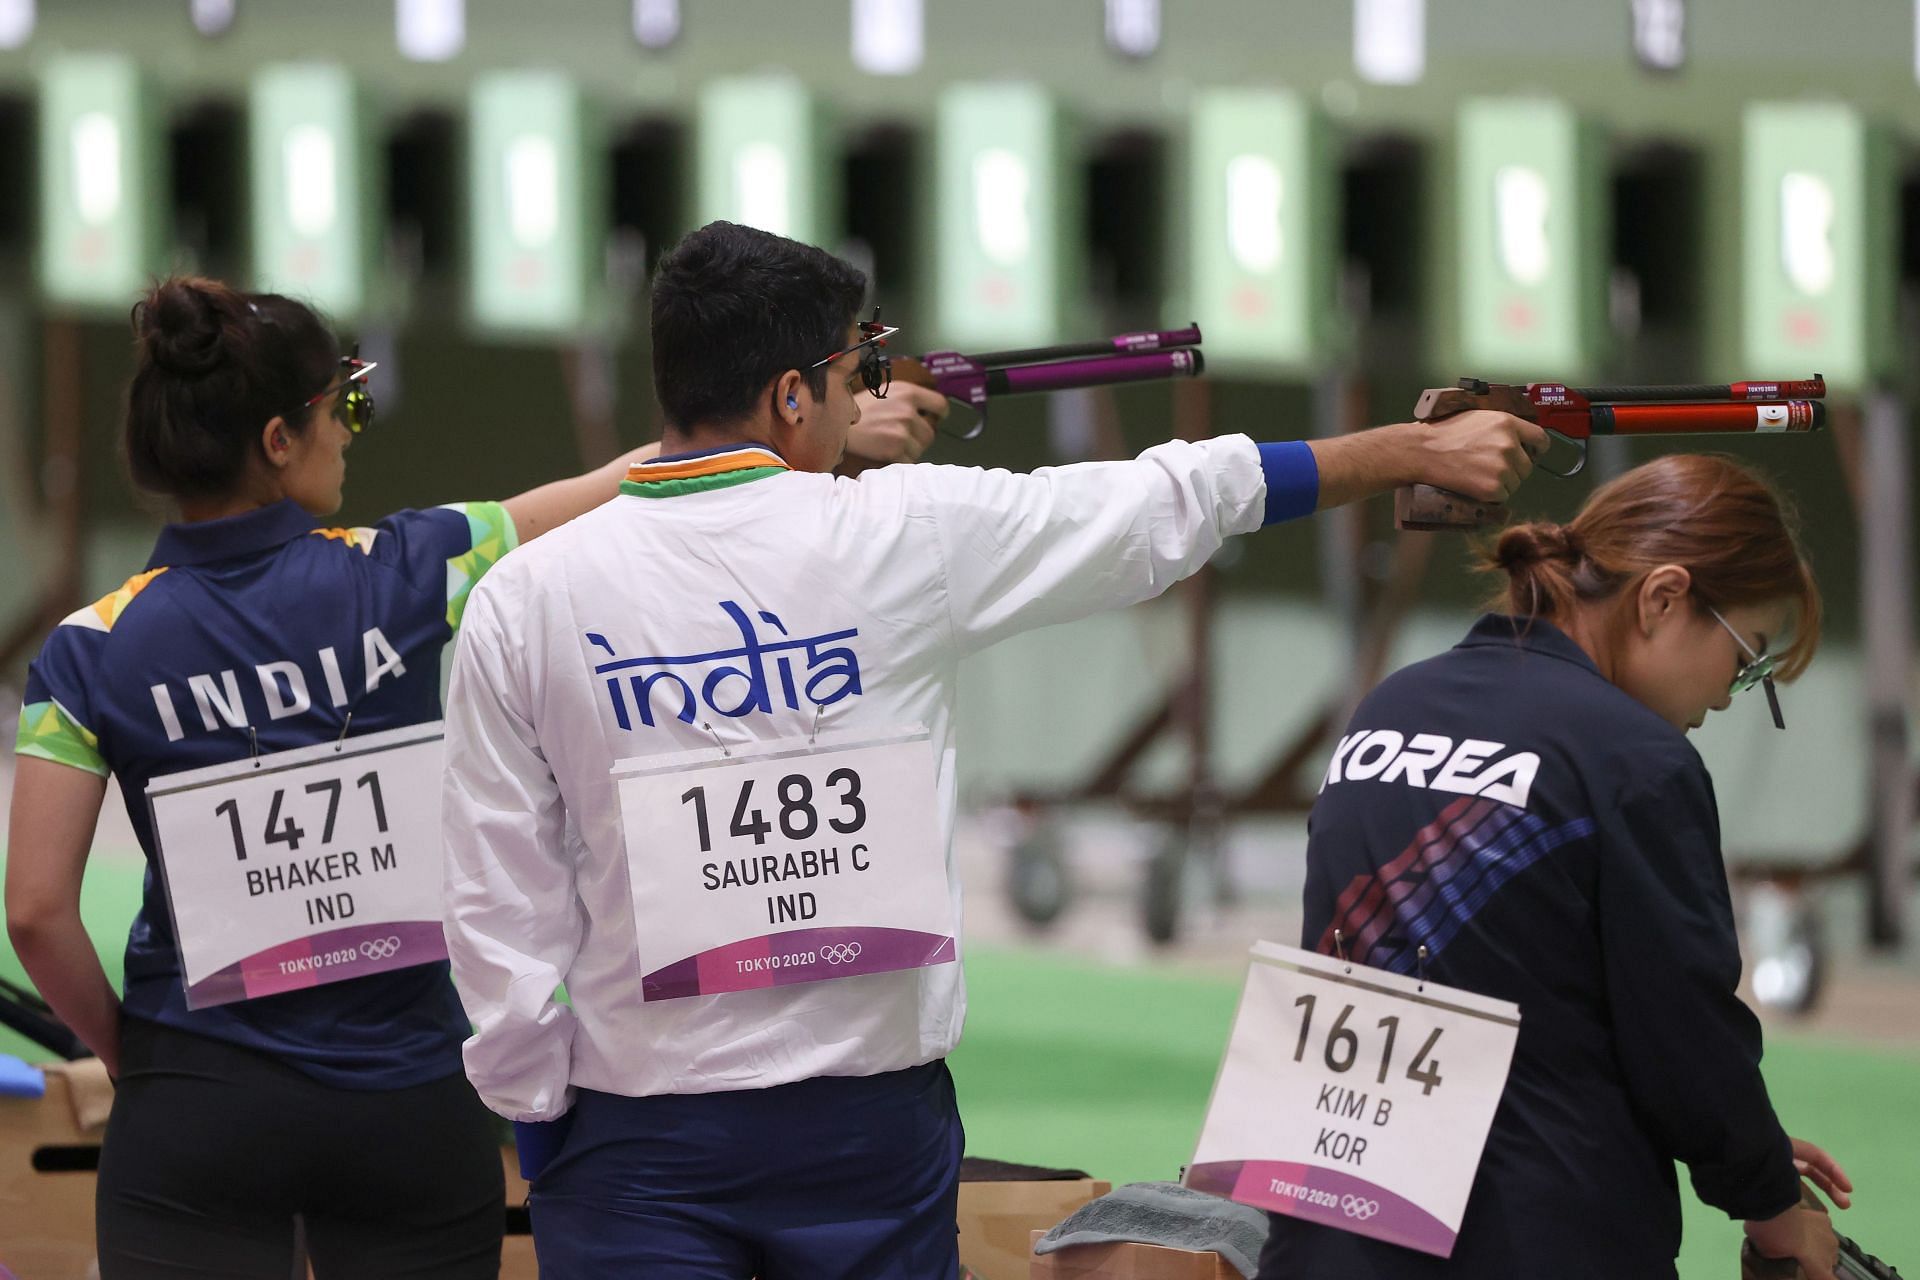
point(1128, 357)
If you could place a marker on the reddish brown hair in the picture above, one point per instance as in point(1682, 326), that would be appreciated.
point(1714, 517)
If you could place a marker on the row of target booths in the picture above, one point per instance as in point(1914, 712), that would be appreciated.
point(1519, 237)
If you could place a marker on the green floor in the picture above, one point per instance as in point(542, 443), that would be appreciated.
point(1109, 1070)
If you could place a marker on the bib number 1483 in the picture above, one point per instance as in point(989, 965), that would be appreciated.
point(798, 814)
point(793, 860)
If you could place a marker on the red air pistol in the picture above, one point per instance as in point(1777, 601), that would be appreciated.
point(1577, 414)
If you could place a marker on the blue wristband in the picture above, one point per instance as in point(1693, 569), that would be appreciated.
point(538, 1142)
point(1293, 480)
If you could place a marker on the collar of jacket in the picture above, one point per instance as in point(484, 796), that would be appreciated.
point(207, 541)
point(1533, 635)
point(720, 468)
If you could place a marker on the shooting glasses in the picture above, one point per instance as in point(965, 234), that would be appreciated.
point(355, 409)
point(876, 368)
point(1757, 669)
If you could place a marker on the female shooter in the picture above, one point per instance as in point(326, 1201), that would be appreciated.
point(1590, 890)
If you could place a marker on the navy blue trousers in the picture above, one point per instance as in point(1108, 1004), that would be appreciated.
point(854, 1177)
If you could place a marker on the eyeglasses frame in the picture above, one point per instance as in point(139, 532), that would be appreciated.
point(357, 371)
point(1758, 669)
point(876, 369)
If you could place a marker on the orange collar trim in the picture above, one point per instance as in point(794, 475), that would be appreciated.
point(747, 458)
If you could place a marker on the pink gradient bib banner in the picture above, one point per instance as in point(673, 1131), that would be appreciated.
point(1354, 1097)
point(797, 860)
point(799, 955)
point(322, 958)
point(304, 867)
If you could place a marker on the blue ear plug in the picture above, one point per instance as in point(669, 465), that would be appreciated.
point(792, 403)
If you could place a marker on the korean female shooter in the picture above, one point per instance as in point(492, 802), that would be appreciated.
point(1583, 882)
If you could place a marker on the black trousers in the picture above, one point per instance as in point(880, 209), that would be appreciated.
point(212, 1149)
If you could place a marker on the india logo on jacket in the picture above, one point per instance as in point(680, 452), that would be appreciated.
point(732, 681)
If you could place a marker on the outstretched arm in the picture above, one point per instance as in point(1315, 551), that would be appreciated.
point(1025, 551)
point(1483, 454)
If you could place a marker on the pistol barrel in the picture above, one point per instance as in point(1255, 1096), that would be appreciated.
point(1095, 371)
point(1119, 344)
point(1706, 419)
point(1724, 392)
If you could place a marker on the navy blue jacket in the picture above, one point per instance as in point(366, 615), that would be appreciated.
point(1554, 843)
point(265, 621)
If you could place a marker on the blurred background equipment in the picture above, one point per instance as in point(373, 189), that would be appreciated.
point(1354, 200)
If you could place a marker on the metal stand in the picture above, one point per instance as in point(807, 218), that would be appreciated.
point(1196, 815)
point(63, 489)
point(1782, 922)
point(1038, 883)
point(1886, 586)
point(590, 370)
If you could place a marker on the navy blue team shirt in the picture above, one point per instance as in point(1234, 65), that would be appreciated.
point(172, 670)
point(1552, 842)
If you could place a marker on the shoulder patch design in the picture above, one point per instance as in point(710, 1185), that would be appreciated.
point(104, 612)
point(360, 538)
point(47, 731)
point(1439, 882)
point(492, 534)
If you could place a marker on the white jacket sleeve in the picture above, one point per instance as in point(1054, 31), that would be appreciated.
point(512, 921)
point(1060, 543)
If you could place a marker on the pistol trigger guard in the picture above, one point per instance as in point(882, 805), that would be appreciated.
point(1577, 468)
point(974, 428)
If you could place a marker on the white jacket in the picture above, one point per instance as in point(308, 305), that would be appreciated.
point(926, 563)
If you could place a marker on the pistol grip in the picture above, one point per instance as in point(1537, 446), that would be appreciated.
point(910, 369)
point(1436, 403)
point(1425, 507)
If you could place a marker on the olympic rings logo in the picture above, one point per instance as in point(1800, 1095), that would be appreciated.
point(840, 952)
point(380, 948)
point(1359, 1207)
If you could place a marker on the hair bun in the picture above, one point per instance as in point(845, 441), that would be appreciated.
point(1527, 544)
point(184, 325)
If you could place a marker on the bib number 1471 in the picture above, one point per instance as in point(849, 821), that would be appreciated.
point(288, 832)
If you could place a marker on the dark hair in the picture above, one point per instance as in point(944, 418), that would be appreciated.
point(213, 367)
point(733, 309)
point(1716, 518)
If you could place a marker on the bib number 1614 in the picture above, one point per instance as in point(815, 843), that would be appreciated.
point(1341, 1048)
